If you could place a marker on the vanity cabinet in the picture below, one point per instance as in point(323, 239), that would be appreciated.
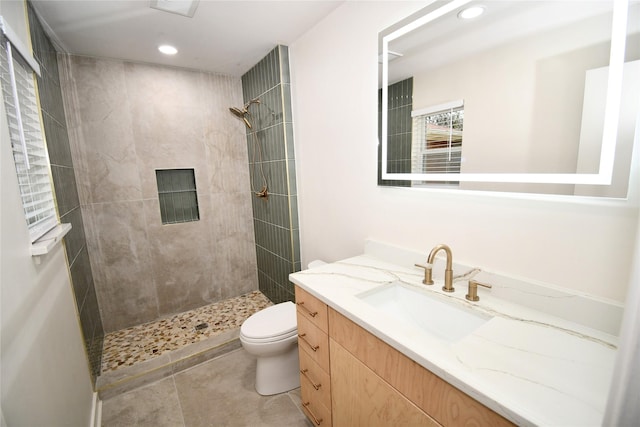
point(349, 377)
point(313, 347)
point(424, 398)
point(362, 398)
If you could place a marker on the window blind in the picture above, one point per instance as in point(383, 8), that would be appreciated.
point(27, 141)
point(439, 136)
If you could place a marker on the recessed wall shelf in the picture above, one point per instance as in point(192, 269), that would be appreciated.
point(177, 195)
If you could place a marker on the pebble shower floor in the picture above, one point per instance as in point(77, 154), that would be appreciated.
point(136, 344)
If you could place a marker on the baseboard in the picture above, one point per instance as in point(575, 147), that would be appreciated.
point(96, 411)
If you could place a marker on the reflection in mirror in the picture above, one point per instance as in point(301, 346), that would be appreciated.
point(520, 98)
point(439, 130)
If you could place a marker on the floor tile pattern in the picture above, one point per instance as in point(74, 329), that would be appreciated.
point(219, 392)
point(136, 344)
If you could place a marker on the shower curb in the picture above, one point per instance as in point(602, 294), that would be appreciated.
point(130, 378)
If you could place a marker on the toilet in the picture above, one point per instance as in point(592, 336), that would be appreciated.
point(272, 336)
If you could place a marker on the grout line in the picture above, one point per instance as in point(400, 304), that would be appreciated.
point(175, 388)
point(297, 402)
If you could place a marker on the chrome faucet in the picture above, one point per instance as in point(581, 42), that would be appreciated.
point(448, 272)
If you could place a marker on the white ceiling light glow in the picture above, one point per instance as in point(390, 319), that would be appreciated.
point(471, 12)
point(167, 50)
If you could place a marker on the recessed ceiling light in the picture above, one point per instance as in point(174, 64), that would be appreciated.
point(471, 12)
point(167, 50)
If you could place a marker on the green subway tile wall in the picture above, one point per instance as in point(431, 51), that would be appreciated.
point(276, 218)
point(400, 101)
point(55, 128)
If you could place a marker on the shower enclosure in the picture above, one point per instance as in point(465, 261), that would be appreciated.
point(125, 121)
point(121, 122)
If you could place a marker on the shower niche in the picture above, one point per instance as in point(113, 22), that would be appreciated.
point(177, 195)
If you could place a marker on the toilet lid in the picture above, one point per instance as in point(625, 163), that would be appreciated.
point(279, 319)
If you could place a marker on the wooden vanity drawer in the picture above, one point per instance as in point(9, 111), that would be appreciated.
point(319, 414)
point(314, 342)
point(312, 309)
point(315, 379)
point(437, 398)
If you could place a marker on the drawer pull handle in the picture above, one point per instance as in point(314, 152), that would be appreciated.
point(313, 347)
point(304, 372)
point(315, 419)
point(309, 312)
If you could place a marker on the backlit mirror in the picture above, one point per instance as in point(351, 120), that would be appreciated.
point(528, 96)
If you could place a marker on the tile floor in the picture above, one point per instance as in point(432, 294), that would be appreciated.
point(219, 392)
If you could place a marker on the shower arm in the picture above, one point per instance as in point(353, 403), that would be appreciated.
point(242, 114)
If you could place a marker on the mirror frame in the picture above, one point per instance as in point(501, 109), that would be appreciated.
point(612, 110)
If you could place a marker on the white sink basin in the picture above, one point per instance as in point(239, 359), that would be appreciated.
point(440, 318)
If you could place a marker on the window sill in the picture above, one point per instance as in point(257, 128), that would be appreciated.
point(49, 241)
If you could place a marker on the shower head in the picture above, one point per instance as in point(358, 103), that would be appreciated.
point(238, 112)
point(241, 114)
point(244, 112)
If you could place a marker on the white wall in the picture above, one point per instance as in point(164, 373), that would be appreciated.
point(44, 372)
point(585, 246)
point(622, 406)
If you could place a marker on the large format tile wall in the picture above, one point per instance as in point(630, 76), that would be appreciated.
point(62, 171)
point(127, 120)
point(275, 218)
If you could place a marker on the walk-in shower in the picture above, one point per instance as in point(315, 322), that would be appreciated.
point(244, 114)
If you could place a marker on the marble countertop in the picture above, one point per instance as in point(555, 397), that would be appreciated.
point(531, 367)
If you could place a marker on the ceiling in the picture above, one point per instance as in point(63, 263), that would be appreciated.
point(227, 37)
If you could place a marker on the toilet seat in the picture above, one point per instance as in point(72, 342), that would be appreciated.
point(270, 340)
point(274, 323)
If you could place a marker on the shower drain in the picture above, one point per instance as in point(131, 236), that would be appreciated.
point(201, 326)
